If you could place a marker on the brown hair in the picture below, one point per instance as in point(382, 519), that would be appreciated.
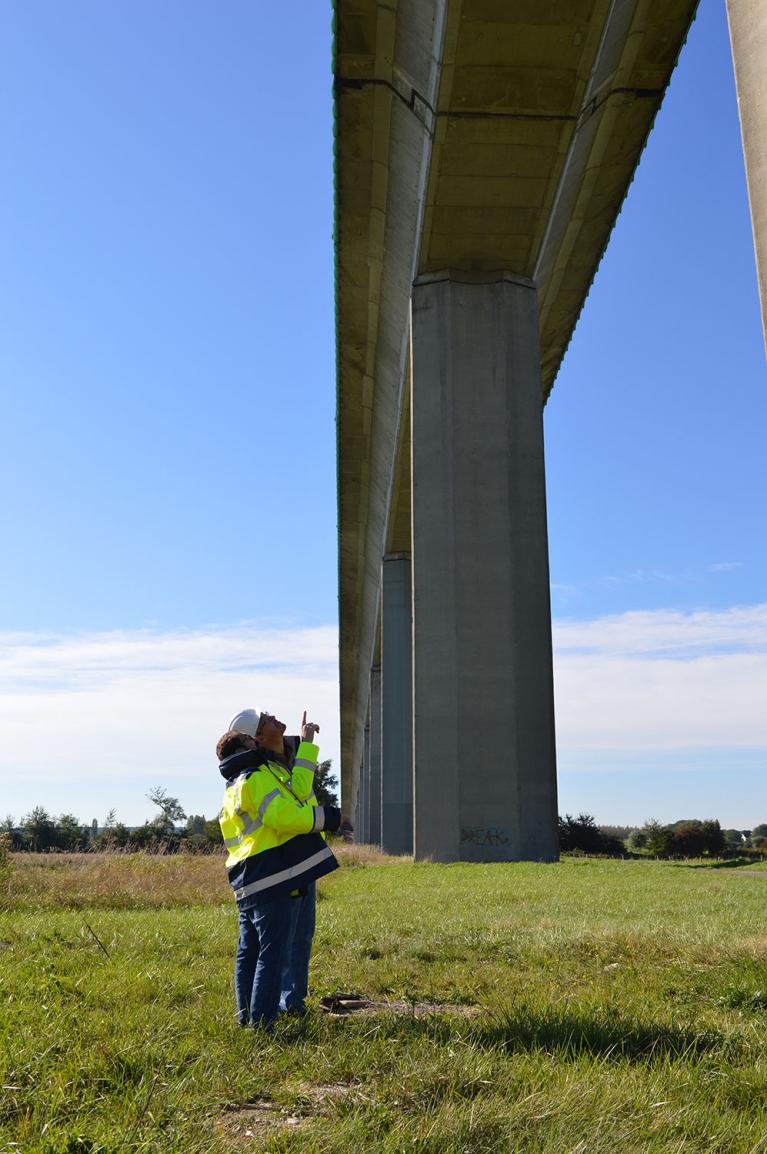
point(231, 742)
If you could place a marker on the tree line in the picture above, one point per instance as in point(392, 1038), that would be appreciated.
point(173, 830)
point(687, 838)
point(169, 831)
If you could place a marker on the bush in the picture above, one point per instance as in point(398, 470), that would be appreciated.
point(687, 838)
point(582, 834)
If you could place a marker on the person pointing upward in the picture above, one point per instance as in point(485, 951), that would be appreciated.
point(272, 825)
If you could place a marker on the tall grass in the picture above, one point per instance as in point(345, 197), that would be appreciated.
point(129, 880)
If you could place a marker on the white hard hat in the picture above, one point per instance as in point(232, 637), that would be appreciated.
point(246, 721)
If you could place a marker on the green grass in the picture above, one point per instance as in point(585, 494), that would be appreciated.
point(623, 1007)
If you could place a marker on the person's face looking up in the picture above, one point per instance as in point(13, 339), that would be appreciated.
point(270, 731)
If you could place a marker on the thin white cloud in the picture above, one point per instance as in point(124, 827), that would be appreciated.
point(645, 576)
point(663, 680)
point(112, 707)
point(725, 566)
point(670, 632)
point(90, 721)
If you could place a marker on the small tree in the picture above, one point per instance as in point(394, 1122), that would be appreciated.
point(39, 828)
point(582, 833)
point(657, 838)
point(148, 835)
point(69, 832)
point(171, 809)
point(117, 835)
point(325, 784)
point(759, 836)
point(687, 839)
point(713, 837)
point(638, 839)
point(213, 834)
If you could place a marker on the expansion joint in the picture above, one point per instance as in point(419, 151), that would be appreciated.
point(597, 102)
point(416, 103)
point(413, 101)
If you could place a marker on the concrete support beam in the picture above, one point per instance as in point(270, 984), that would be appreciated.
point(386, 81)
point(356, 808)
point(396, 706)
point(748, 36)
point(484, 756)
point(364, 827)
point(374, 777)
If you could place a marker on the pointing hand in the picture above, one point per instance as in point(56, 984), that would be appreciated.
point(308, 729)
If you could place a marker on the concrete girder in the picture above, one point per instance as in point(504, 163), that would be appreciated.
point(386, 74)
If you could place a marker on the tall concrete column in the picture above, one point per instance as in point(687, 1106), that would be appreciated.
point(748, 36)
point(356, 809)
point(364, 831)
point(484, 757)
point(396, 706)
point(374, 777)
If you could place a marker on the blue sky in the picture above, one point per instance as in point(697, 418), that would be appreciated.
point(167, 449)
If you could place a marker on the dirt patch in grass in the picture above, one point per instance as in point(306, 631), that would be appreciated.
point(341, 1005)
point(264, 1118)
point(320, 1094)
point(240, 1124)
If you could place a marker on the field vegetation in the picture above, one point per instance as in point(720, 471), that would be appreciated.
point(587, 1007)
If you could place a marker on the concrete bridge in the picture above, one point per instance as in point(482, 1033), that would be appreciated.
point(483, 151)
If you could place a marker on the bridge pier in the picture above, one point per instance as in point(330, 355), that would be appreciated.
point(363, 828)
point(484, 757)
point(374, 776)
point(748, 37)
point(396, 706)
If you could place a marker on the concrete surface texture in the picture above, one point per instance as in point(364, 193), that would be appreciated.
point(748, 36)
point(484, 753)
point(384, 55)
point(396, 707)
point(364, 822)
point(374, 829)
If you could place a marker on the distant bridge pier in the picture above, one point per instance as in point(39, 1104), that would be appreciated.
point(363, 825)
point(748, 36)
point(396, 706)
point(484, 755)
point(374, 776)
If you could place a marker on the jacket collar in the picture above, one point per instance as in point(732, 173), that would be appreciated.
point(248, 759)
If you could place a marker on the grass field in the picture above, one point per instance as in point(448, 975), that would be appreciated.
point(622, 1007)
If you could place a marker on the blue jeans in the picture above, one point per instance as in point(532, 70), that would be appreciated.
point(263, 951)
point(295, 975)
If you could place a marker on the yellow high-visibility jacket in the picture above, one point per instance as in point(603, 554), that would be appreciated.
point(271, 825)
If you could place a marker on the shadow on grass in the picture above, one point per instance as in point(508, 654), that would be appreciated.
point(602, 1035)
point(598, 1035)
